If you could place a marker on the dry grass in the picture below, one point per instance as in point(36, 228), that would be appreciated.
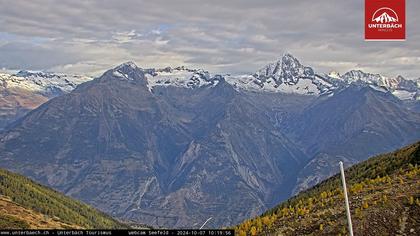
point(14, 216)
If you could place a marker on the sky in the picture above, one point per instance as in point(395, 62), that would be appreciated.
point(221, 36)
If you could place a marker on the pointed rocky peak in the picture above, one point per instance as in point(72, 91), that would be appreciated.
point(128, 71)
point(289, 61)
point(126, 66)
point(275, 68)
point(287, 70)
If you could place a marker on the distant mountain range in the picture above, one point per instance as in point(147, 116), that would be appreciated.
point(384, 196)
point(26, 90)
point(172, 147)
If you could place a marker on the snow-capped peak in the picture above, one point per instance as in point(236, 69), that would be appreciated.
point(360, 76)
point(286, 75)
point(44, 83)
point(286, 70)
point(26, 73)
point(181, 76)
point(400, 87)
point(127, 64)
point(128, 71)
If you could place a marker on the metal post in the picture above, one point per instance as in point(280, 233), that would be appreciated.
point(343, 180)
point(205, 223)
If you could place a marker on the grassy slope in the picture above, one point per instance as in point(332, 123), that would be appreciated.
point(384, 194)
point(14, 216)
point(25, 204)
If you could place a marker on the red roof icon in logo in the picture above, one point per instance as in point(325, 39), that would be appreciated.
point(385, 15)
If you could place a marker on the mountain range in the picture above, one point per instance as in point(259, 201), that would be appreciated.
point(172, 147)
point(26, 90)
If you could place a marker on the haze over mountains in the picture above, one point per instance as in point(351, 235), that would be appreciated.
point(171, 147)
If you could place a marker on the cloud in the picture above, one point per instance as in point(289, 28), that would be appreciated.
point(222, 36)
point(18, 55)
point(126, 36)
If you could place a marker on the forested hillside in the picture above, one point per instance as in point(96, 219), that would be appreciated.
point(384, 194)
point(25, 204)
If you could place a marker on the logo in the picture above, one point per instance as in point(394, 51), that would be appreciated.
point(384, 19)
